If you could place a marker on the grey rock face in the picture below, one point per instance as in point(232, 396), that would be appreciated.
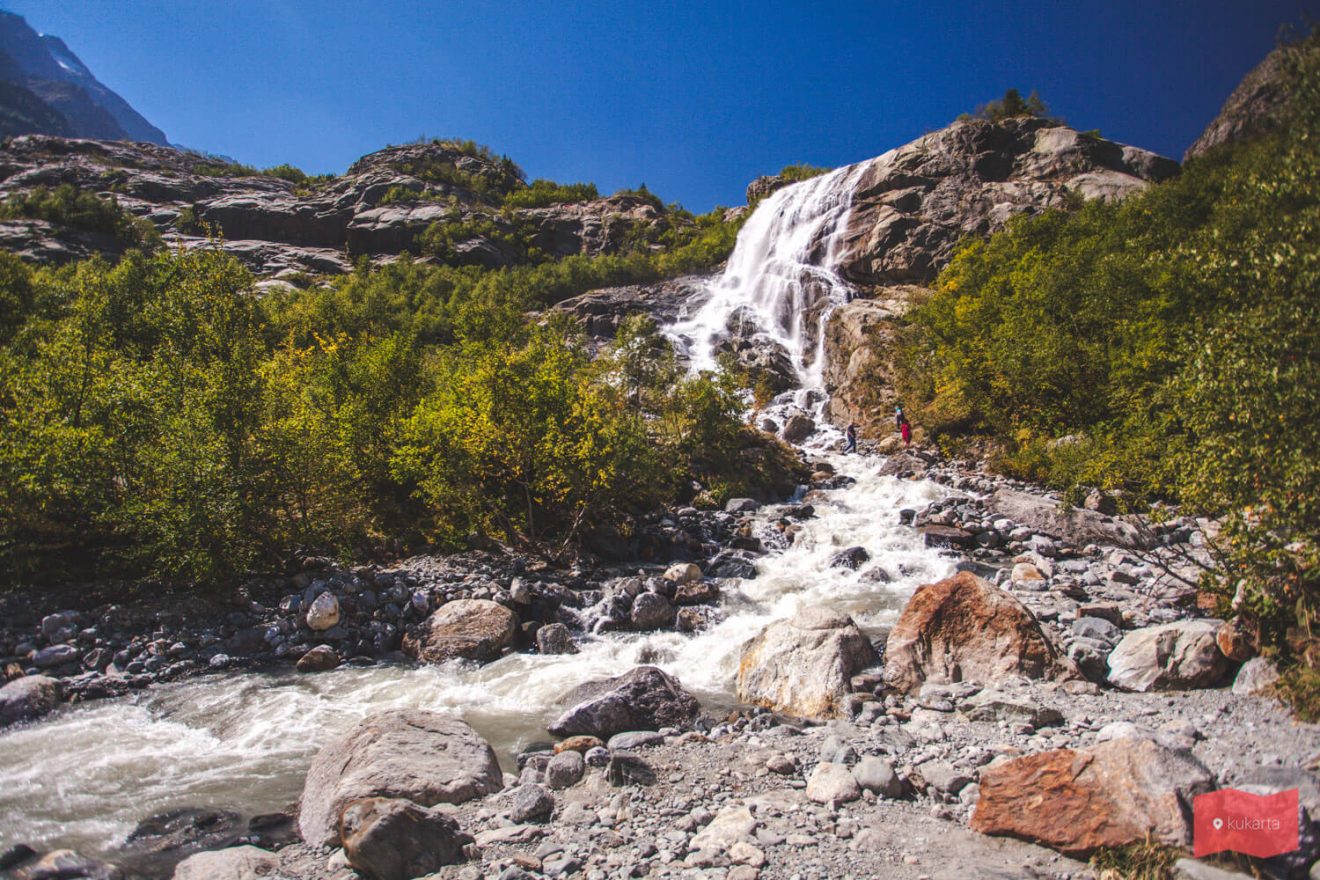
point(643, 699)
point(424, 756)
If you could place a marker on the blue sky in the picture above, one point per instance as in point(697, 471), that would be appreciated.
point(693, 99)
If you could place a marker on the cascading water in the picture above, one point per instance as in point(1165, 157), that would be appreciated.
point(782, 275)
point(85, 776)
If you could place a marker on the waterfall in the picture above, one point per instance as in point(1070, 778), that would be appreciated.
point(782, 276)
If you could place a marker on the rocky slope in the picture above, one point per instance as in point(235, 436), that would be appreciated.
point(1253, 107)
point(48, 90)
point(378, 208)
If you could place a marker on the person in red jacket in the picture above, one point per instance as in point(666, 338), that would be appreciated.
point(906, 431)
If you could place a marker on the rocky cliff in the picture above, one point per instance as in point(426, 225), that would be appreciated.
point(377, 209)
point(1252, 108)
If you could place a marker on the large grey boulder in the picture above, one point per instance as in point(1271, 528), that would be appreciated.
point(425, 757)
point(25, 699)
point(1182, 655)
point(802, 666)
point(644, 698)
point(395, 839)
point(234, 863)
point(467, 629)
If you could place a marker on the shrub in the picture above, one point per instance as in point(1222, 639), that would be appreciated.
point(542, 193)
point(66, 205)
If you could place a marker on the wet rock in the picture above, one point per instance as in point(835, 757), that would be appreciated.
point(697, 593)
point(530, 803)
point(798, 428)
point(234, 863)
point(802, 666)
point(470, 629)
point(396, 839)
point(565, 769)
point(832, 783)
point(947, 537)
point(323, 613)
point(1076, 801)
point(683, 573)
point(28, 698)
point(1174, 656)
point(322, 658)
point(742, 505)
point(166, 838)
point(554, 638)
point(424, 756)
point(55, 655)
point(60, 864)
point(644, 698)
point(651, 611)
point(964, 629)
point(853, 558)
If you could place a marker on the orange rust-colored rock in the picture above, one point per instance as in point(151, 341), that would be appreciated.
point(1238, 639)
point(581, 743)
point(964, 629)
point(1078, 801)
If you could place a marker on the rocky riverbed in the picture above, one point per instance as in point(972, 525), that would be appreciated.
point(892, 750)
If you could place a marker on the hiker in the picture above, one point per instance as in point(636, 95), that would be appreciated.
point(899, 417)
point(906, 430)
point(851, 436)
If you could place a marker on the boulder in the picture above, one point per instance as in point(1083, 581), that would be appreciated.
point(832, 783)
point(565, 769)
point(1238, 639)
point(798, 428)
point(1256, 678)
point(1076, 801)
point(963, 629)
point(322, 658)
point(1182, 655)
point(651, 611)
point(28, 698)
point(644, 698)
point(802, 666)
point(853, 558)
point(162, 840)
point(554, 638)
point(683, 573)
point(468, 629)
point(425, 757)
point(530, 803)
point(996, 705)
point(1076, 525)
point(877, 775)
point(323, 613)
point(396, 839)
point(234, 863)
point(55, 655)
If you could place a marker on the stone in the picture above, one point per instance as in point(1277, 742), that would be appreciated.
point(55, 655)
point(963, 629)
point(798, 428)
point(28, 698)
point(943, 778)
point(1191, 869)
point(1025, 571)
point(425, 757)
point(651, 611)
point(565, 769)
point(580, 744)
point(396, 839)
point(853, 558)
point(741, 505)
point(636, 739)
point(697, 593)
point(877, 775)
point(554, 638)
point(1076, 801)
point(832, 783)
point(1182, 655)
point(996, 705)
point(1096, 628)
point(1238, 639)
point(162, 840)
point(683, 573)
point(234, 863)
point(644, 698)
point(322, 658)
point(625, 768)
point(1076, 526)
point(323, 612)
point(734, 823)
point(947, 537)
point(468, 629)
point(530, 803)
point(1256, 678)
point(803, 665)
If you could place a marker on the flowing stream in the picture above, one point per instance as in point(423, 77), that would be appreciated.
point(85, 776)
